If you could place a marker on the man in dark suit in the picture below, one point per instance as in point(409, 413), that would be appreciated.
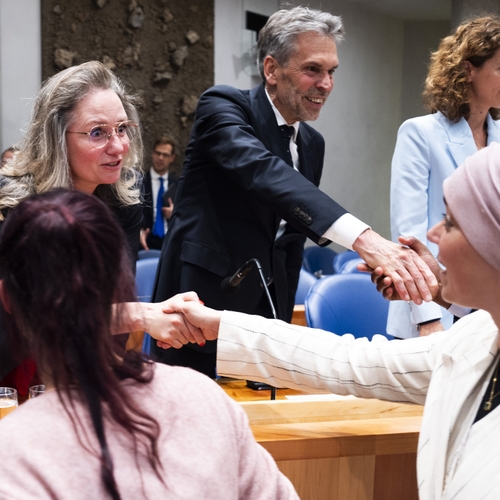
point(249, 184)
point(158, 183)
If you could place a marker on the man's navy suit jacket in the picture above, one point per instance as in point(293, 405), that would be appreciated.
point(234, 189)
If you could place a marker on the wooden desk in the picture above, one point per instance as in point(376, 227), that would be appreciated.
point(351, 449)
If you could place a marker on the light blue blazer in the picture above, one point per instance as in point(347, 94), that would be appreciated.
point(428, 149)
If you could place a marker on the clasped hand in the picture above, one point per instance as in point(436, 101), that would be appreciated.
point(385, 284)
point(409, 273)
point(175, 322)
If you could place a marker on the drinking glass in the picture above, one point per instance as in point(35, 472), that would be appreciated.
point(36, 390)
point(8, 400)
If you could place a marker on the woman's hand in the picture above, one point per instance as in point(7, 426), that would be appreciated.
point(197, 315)
point(384, 283)
point(410, 275)
point(170, 329)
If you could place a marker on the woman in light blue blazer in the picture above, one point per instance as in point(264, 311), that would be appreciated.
point(462, 91)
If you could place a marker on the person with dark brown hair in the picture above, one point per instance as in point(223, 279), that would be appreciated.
point(111, 424)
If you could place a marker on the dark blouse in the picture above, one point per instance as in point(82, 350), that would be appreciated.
point(130, 220)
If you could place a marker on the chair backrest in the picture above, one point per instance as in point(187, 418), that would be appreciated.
point(347, 303)
point(318, 259)
point(341, 258)
point(351, 266)
point(145, 278)
point(306, 281)
point(148, 254)
point(144, 281)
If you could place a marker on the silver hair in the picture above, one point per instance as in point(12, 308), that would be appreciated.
point(41, 164)
point(278, 37)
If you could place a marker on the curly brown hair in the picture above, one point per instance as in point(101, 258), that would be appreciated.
point(446, 86)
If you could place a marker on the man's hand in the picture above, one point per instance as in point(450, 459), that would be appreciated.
point(168, 209)
point(409, 273)
point(384, 283)
point(195, 313)
point(142, 238)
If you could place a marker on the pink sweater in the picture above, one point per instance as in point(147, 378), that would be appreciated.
point(206, 448)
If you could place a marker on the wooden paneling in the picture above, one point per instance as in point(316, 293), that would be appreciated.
point(335, 479)
point(396, 477)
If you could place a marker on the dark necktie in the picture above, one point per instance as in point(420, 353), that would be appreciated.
point(159, 227)
point(287, 133)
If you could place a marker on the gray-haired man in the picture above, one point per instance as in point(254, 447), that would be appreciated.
point(249, 185)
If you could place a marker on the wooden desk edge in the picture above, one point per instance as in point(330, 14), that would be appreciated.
point(339, 439)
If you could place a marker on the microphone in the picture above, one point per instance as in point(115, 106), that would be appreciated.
point(231, 284)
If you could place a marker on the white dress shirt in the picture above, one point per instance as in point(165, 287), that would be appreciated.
point(346, 229)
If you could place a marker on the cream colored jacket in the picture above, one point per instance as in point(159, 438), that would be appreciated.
point(448, 371)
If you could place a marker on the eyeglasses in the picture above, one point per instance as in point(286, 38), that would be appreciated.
point(163, 155)
point(100, 135)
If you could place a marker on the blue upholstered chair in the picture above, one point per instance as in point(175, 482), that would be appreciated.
point(351, 266)
point(306, 281)
point(148, 254)
point(144, 281)
point(341, 258)
point(347, 303)
point(318, 260)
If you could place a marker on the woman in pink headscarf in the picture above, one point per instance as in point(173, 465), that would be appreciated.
point(454, 373)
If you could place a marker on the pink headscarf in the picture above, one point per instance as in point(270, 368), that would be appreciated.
point(472, 194)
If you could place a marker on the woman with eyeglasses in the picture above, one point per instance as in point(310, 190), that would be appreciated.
point(84, 134)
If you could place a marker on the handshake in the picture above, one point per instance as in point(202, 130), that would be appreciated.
point(180, 320)
point(184, 319)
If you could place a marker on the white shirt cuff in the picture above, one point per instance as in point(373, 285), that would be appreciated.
point(345, 231)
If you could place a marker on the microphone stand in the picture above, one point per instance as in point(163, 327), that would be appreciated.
point(231, 285)
point(273, 310)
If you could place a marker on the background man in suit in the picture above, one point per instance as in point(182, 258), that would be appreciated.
point(157, 181)
point(249, 186)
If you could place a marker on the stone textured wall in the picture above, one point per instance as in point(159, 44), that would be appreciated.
point(161, 49)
